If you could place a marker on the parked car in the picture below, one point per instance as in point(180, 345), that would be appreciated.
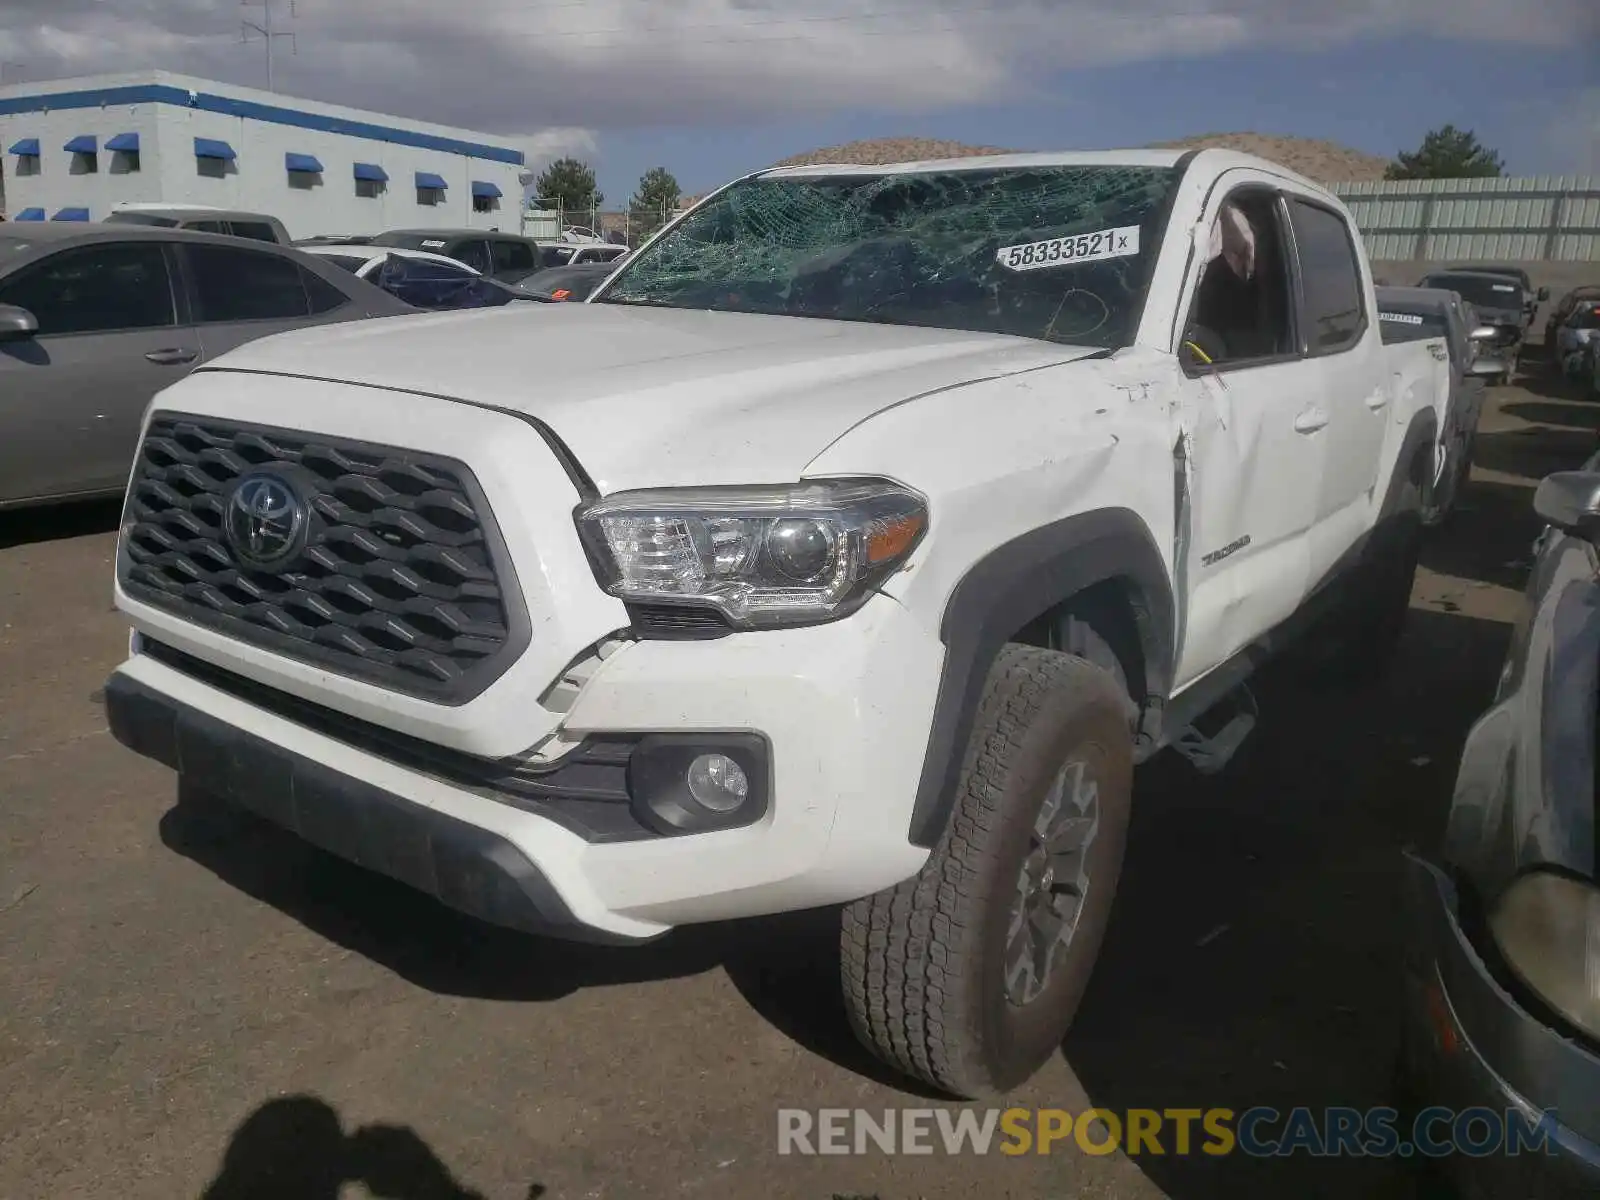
point(568, 254)
point(1502, 1008)
point(568, 283)
point(1498, 300)
point(255, 226)
point(1453, 374)
point(499, 255)
point(96, 319)
point(1577, 339)
point(1563, 309)
point(421, 279)
point(705, 624)
point(1532, 297)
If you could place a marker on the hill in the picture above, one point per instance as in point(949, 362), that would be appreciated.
point(1326, 162)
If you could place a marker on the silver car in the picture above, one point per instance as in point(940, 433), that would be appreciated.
point(96, 319)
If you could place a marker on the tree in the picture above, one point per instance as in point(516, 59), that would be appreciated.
point(654, 202)
point(1447, 153)
point(568, 184)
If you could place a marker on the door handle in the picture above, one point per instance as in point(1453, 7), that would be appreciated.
point(1310, 420)
point(174, 356)
point(1378, 400)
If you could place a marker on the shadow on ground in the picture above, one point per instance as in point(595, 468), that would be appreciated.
point(1253, 957)
point(25, 526)
point(786, 967)
point(295, 1147)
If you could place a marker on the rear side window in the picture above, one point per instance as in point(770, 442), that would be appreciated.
point(96, 289)
point(257, 231)
point(513, 256)
point(245, 285)
point(1331, 278)
point(208, 226)
point(324, 296)
point(474, 253)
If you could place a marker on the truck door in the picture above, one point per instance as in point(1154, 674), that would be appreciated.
point(1245, 462)
point(1350, 384)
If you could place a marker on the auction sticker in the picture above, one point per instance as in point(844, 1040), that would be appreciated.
point(1400, 318)
point(1122, 242)
point(433, 243)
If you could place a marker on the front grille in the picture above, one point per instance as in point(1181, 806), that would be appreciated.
point(402, 581)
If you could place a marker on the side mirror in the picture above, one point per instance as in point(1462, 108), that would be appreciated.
point(1570, 501)
point(1544, 294)
point(17, 324)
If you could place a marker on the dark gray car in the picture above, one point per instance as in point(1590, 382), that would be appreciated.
point(96, 319)
point(1503, 955)
point(1499, 300)
point(503, 256)
point(1425, 314)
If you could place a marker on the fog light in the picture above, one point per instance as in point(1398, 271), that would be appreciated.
point(718, 782)
point(696, 783)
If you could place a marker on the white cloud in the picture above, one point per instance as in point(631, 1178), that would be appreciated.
point(575, 65)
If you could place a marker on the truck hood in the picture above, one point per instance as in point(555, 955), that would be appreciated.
point(650, 397)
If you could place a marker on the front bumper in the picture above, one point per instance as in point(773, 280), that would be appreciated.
point(1470, 1043)
point(845, 709)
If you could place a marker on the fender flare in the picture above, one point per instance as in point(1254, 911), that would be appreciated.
point(1004, 591)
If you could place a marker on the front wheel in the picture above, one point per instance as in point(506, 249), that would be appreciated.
point(968, 975)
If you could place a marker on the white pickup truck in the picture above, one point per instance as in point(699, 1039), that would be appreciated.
point(849, 547)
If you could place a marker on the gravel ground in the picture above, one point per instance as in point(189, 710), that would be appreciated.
point(186, 1008)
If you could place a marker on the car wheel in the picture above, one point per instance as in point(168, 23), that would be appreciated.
point(968, 975)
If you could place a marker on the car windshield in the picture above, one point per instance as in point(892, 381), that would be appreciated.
point(1061, 253)
point(1408, 323)
point(412, 241)
point(1516, 273)
point(1586, 316)
point(1479, 290)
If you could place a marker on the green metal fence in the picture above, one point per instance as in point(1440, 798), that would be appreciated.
point(1549, 218)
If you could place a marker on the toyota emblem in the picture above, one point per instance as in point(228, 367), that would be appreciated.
point(264, 520)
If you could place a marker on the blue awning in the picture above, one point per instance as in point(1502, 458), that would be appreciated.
point(303, 162)
point(26, 148)
point(213, 148)
point(489, 190)
point(126, 143)
point(427, 179)
point(84, 143)
point(372, 172)
point(30, 214)
point(72, 214)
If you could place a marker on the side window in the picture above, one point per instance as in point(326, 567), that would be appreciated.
point(513, 256)
point(1330, 278)
point(475, 254)
point(324, 296)
point(256, 231)
point(245, 285)
point(208, 226)
point(96, 289)
point(1241, 312)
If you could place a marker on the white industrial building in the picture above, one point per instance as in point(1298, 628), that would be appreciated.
point(75, 148)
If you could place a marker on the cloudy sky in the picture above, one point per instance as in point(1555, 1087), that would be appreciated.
point(710, 88)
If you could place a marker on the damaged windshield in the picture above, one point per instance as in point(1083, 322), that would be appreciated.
point(1062, 253)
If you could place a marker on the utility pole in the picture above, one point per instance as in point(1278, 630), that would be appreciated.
point(266, 33)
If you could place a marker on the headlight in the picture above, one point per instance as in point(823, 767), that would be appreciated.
point(761, 556)
point(1547, 927)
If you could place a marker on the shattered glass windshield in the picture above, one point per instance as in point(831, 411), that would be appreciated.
point(1062, 253)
